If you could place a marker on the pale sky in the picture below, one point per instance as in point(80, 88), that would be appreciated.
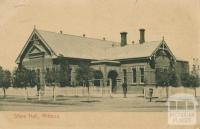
point(177, 20)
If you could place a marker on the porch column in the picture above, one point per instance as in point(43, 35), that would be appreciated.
point(105, 74)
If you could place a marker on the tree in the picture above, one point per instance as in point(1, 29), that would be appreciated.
point(5, 79)
point(52, 78)
point(25, 78)
point(166, 78)
point(185, 79)
point(173, 78)
point(162, 80)
point(64, 73)
point(191, 81)
point(84, 75)
point(1, 76)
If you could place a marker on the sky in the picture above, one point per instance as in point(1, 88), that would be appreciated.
point(177, 20)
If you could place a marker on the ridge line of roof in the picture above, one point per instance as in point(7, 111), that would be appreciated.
point(137, 43)
point(97, 38)
point(77, 36)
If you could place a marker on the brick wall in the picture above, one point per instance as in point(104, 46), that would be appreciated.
point(149, 73)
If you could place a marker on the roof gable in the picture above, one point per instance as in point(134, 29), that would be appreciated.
point(88, 48)
point(163, 45)
point(33, 45)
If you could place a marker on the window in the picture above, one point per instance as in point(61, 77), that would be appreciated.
point(134, 74)
point(162, 69)
point(125, 75)
point(142, 75)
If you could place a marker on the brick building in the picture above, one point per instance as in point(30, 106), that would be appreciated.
point(134, 63)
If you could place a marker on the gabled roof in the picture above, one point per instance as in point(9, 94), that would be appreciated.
point(76, 46)
point(133, 50)
point(89, 48)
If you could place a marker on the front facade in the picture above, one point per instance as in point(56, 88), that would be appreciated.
point(117, 62)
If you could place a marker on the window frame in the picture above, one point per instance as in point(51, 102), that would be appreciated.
point(134, 82)
point(124, 70)
point(142, 67)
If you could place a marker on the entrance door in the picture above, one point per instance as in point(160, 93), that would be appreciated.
point(113, 76)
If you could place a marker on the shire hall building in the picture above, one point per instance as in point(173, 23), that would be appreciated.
point(118, 62)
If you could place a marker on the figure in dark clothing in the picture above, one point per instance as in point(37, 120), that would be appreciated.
point(124, 86)
point(38, 89)
point(150, 94)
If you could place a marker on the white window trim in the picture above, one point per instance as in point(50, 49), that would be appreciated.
point(144, 75)
point(134, 67)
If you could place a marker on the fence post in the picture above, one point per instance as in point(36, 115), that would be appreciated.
point(83, 90)
point(94, 91)
point(88, 88)
point(110, 87)
point(54, 96)
point(101, 88)
point(26, 93)
point(39, 95)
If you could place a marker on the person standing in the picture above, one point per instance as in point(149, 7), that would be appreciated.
point(124, 86)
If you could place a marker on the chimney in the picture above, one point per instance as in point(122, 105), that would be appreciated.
point(142, 36)
point(83, 35)
point(123, 39)
point(61, 32)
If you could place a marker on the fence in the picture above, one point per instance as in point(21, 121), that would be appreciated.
point(162, 93)
point(60, 91)
point(98, 91)
point(78, 91)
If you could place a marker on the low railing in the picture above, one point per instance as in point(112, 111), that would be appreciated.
point(96, 91)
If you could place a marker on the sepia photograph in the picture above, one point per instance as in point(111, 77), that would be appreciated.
point(100, 64)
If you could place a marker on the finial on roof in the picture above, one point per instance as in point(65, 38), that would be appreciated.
point(34, 26)
point(163, 38)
